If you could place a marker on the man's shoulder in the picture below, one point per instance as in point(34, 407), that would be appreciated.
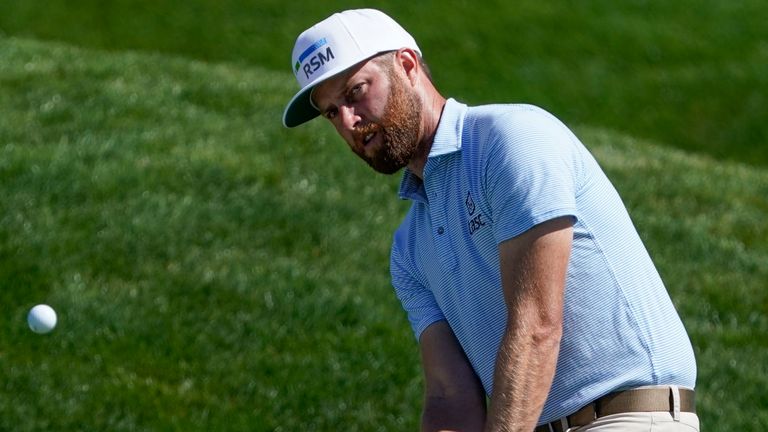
point(513, 125)
point(408, 223)
point(509, 115)
point(496, 110)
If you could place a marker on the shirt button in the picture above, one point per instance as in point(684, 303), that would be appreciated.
point(440, 230)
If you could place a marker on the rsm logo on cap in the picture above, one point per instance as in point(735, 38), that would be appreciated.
point(315, 62)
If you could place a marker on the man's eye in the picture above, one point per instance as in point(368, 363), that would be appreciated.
point(330, 114)
point(355, 91)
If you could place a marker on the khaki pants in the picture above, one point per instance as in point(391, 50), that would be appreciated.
point(646, 422)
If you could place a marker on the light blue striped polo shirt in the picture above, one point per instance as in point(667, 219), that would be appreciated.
point(494, 172)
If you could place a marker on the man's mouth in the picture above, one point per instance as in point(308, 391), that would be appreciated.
point(368, 137)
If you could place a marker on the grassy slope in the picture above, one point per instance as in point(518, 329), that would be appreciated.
point(195, 257)
point(688, 73)
point(213, 271)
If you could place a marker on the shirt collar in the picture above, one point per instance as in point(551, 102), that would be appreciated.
point(447, 140)
point(448, 135)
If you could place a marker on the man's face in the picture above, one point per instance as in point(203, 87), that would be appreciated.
point(376, 112)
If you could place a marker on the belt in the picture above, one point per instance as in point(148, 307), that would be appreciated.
point(635, 400)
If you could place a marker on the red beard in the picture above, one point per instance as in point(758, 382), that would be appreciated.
point(400, 128)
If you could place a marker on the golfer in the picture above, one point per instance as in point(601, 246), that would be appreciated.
point(522, 275)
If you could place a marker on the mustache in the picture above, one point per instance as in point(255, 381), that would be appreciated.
point(361, 131)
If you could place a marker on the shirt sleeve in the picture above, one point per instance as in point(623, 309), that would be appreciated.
point(531, 171)
point(417, 301)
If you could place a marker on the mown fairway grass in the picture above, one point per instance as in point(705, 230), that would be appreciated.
point(206, 272)
point(687, 73)
point(213, 271)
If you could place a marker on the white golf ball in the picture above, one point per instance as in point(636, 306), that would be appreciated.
point(41, 319)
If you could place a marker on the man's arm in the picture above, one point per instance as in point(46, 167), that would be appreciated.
point(533, 272)
point(454, 399)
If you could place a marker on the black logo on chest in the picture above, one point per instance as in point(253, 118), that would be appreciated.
point(475, 221)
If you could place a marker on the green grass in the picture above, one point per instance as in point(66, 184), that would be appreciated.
point(688, 74)
point(214, 271)
point(195, 254)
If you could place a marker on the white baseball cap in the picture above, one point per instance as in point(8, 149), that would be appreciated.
point(334, 45)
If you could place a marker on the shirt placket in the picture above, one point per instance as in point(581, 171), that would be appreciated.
point(441, 228)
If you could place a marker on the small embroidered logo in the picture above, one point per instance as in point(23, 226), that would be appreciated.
point(470, 204)
point(475, 221)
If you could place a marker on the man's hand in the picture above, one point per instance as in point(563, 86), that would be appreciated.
point(454, 398)
point(533, 272)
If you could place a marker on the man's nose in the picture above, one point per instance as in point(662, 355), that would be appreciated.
point(349, 119)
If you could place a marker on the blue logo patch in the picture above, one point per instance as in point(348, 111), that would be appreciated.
point(316, 59)
point(312, 49)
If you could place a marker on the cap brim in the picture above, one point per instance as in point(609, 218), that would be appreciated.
point(300, 109)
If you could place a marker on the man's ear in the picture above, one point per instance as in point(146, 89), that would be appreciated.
point(408, 60)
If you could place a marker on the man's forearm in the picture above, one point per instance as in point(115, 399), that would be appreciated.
point(525, 367)
point(533, 270)
point(454, 397)
point(461, 413)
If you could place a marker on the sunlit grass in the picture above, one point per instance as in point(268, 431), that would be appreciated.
point(688, 74)
point(213, 271)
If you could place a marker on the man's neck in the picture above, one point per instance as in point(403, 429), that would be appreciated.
point(433, 111)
